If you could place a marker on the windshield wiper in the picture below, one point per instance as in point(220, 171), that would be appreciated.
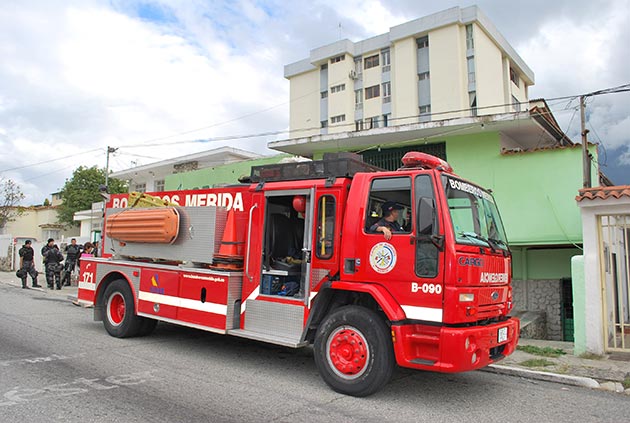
point(492, 243)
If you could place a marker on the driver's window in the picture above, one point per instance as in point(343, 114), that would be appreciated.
point(389, 201)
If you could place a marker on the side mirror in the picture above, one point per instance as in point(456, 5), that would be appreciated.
point(427, 223)
point(426, 217)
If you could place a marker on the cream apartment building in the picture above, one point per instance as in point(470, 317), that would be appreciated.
point(451, 64)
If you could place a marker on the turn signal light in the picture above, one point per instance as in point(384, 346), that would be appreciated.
point(471, 311)
point(466, 298)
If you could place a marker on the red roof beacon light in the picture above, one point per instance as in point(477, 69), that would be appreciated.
point(415, 159)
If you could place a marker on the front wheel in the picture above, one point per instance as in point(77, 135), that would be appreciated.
point(120, 318)
point(353, 351)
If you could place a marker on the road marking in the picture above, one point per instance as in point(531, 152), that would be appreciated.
point(81, 385)
point(35, 360)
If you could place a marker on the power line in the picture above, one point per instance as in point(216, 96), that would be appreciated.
point(559, 99)
point(50, 160)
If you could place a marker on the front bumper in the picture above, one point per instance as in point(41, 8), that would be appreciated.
point(454, 349)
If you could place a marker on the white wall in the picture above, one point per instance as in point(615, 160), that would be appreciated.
point(449, 77)
point(488, 73)
point(341, 103)
point(404, 81)
point(304, 108)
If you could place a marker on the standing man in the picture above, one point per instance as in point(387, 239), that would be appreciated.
point(52, 261)
point(73, 251)
point(388, 223)
point(26, 264)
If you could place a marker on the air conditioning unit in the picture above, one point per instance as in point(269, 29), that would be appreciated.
point(353, 74)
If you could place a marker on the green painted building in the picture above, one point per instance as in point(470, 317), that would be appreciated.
point(223, 174)
point(534, 172)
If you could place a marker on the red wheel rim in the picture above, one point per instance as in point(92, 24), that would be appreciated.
point(116, 309)
point(348, 352)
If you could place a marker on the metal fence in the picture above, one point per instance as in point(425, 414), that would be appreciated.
point(614, 232)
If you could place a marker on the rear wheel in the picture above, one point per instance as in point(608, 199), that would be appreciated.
point(120, 317)
point(353, 351)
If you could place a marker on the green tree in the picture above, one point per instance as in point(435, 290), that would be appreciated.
point(81, 190)
point(10, 197)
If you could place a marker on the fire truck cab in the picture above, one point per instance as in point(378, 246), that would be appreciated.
point(298, 256)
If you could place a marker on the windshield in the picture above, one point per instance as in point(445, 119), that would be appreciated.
point(474, 215)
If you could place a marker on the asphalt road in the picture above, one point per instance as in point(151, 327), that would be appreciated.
point(56, 364)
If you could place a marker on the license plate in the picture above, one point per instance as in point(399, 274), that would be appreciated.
point(502, 335)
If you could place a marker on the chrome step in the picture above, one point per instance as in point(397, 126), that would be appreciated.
point(265, 337)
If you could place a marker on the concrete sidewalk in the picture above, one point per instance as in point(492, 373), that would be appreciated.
point(66, 292)
point(612, 374)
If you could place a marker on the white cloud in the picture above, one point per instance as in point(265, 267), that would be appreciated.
point(85, 74)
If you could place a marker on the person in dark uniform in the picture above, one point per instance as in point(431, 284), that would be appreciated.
point(388, 222)
point(52, 261)
point(26, 264)
point(73, 251)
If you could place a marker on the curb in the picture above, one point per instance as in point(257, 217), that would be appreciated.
point(585, 382)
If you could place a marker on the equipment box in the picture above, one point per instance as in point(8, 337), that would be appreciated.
point(271, 284)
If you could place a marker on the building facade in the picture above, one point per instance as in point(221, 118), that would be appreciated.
point(450, 85)
point(152, 177)
point(447, 65)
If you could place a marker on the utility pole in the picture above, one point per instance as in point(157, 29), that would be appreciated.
point(586, 160)
point(109, 151)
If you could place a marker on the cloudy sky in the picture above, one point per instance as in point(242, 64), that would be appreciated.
point(77, 76)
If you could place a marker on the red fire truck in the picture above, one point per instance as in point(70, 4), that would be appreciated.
point(297, 255)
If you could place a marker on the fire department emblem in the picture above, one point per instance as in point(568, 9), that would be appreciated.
point(383, 257)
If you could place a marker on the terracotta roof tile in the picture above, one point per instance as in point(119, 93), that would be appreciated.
point(604, 192)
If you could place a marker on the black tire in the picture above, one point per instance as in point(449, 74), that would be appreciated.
point(147, 326)
point(353, 351)
point(120, 318)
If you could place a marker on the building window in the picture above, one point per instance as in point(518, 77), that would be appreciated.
point(371, 62)
point(424, 113)
point(324, 123)
point(159, 185)
point(358, 99)
point(514, 76)
point(358, 125)
point(386, 119)
point(337, 119)
point(470, 44)
point(338, 59)
point(386, 59)
point(387, 92)
point(371, 122)
point(471, 69)
point(140, 187)
point(516, 104)
point(371, 92)
point(337, 88)
point(324, 66)
point(51, 233)
point(357, 65)
point(472, 98)
point(422, 76)
point(324, 94)
point(423, 42)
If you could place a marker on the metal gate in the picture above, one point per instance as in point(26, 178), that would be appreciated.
point(614, 232)
point(389, 158)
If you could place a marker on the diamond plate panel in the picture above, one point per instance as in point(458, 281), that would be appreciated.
point(276, 319)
